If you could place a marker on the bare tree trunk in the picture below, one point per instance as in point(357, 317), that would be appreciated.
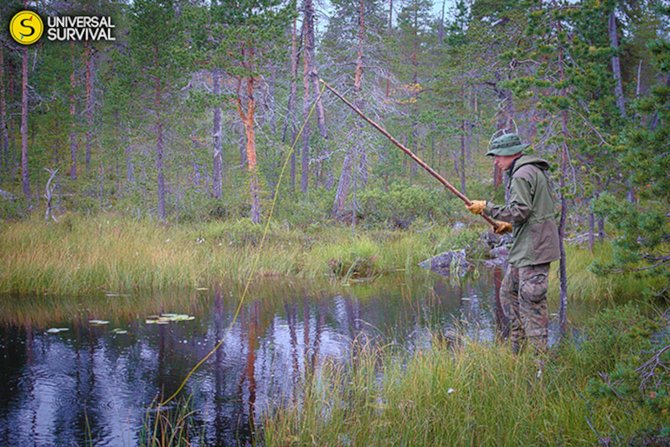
point(290, 116)
point(618, 87)
point(343, 185)
point(601, 229)
point(563, 275)
point(101, 177)
point(217, 166)
point(358, 91)
point(616, 65)
point(304, 177)
point(390, 27)
point(312, 76)
point(11, 87)
point(463, 141)
point(88, 55)
point(440, 30)
point(505, 118)
point(130, 169)
point(159, 141)
point(563, 312)
point(25, 178)
point(248, 121)
point(415, 93)
point(462, 158)
point(4, 132)
point(73, 119)
point(271, 99)
point(242, 145)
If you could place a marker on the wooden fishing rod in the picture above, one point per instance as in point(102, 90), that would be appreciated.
point(411, 154)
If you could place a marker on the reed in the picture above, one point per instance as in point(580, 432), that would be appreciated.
point(470, 394)
point(110, 253)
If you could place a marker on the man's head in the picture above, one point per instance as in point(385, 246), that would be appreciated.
point(506, 148)
point(503, 162)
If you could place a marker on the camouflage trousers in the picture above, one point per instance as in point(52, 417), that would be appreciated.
point(523, 297)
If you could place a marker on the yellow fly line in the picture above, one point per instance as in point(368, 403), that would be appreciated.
point(255, 263)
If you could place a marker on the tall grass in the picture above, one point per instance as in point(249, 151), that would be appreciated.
point(587, 286)
point(169, 427)
point(473, 394)
point(109, 253)
point(84, 255)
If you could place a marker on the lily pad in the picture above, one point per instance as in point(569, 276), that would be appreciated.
point(167, 318)
point(98, 322)
point(56, 330)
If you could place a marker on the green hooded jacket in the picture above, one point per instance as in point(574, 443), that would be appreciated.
point(531, 212)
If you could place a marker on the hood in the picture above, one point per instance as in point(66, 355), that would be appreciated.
point(530, 160)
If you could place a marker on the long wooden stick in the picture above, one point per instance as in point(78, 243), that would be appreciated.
point(411, 154)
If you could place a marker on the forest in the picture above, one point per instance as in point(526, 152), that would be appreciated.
point(204, 146)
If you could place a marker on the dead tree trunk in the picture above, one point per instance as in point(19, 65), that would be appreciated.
point(415, 93)
point(73, 119)
point(616, 65)
point(25, 178)
point(4, 131)
point(304, 174)
point(348, 164)
point(290, 115)
point(563, 275)
point(88, 55)
point(217, 165)
point(311, 76)
point(463, 143)
point(48, 194)
point(158, 104)
point(618, 86)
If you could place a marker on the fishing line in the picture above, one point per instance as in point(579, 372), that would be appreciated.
point(258, 255)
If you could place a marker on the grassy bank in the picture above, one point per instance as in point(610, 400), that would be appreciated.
point(108, 253)
point(83, 255)
point(483, 395)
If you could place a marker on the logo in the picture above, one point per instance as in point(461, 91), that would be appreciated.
point(26, 27)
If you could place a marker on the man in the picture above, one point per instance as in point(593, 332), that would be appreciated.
point(529, 215)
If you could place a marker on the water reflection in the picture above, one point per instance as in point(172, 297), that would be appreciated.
point(89, 384)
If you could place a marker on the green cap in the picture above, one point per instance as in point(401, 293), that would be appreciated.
point(507, 144)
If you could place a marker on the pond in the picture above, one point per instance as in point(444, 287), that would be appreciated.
point(94, 383)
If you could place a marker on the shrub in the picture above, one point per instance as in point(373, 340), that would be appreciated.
point(402, 204)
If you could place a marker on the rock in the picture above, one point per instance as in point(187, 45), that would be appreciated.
point(458, 226)
point(447, 263)
point(499, 252)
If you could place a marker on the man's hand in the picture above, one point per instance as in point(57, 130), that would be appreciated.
point(502, 227)
point(477, 206)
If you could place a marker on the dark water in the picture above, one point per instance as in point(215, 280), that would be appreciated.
point(91, 386)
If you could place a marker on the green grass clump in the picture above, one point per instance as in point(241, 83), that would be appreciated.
point(477, 394)
point(80, 255)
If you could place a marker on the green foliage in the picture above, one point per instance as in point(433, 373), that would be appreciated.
point(641, 244)
point(619, 334)
point(402, 204)
point(356, 261)
point(241, 232)
point(632, 365)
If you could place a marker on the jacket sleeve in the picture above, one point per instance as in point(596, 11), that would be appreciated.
point(519, 208)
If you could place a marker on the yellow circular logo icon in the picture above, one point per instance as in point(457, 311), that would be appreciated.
point(26, 27)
